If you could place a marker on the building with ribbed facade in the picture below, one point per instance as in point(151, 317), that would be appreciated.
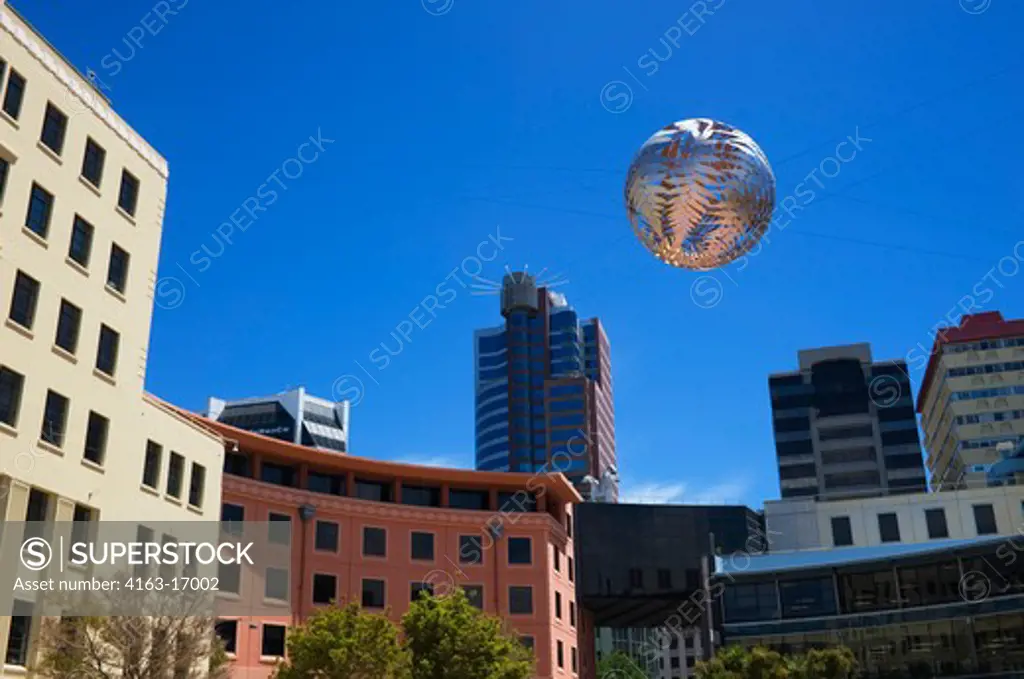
point(972, 399)
point(845, 426)
point(543, 390)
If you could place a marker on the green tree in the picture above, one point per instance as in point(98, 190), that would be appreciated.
point(448, 638)
point(826, 663)
point(736, 662)
point(619, 665)
point(344, 643)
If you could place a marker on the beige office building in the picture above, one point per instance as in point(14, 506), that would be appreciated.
point(971, 401)
point(81, 211)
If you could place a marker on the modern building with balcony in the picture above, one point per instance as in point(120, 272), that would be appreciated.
point(543, 391)
point(81, 213)
point(293, 415)
point(378, 533)
point(972, 399)
point(845, 426)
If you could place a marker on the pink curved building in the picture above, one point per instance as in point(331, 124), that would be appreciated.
point(355, 529)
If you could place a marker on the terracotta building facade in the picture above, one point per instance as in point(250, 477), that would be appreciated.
point(373, 532)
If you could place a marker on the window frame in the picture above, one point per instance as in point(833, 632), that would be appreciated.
point(92, 145)
point(132, 181)
point(67, 337)
point(5, 106)
point(104, 422)
point(412, 545)
point(363, 541)
point(881, 530)
point(88, 231)
point(48, 432)
point(55, 129)
point(39, 196)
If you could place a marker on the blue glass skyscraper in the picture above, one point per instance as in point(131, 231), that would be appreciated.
point(543, 389)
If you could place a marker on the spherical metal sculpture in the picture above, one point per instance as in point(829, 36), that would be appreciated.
point(700, 194)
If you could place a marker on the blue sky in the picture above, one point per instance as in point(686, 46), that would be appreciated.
point(449, 119)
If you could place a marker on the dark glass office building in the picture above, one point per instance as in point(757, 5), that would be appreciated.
point(845, 426)
point(293, 416)
point(945, 608)
point(544, 390)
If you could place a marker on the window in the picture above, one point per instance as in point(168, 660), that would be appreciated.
point(331, 484)
point(520, 551)
point(558, 605)
point(196, 485)
point(227, 632)
point(80, 518)
point(373, 490)
point(421, 496)
point(175, 474)
point(5, 169)
point(636, 578)
point(279, 529)
point(572, 570)
point(230, 577)
point(325, 588)
point(128, 196)
point(326, 536)
point(231, 518)
point(520, 600)
point(278, 474)
point(14, 94)
point(92, 163)
point(55, 417)
point(423, 546)
point(40, 207)
point(467, 499)
point(68, 323)
point(558, 559)
point(664, 578)
point(81, 241)
point(117, 271)
point(96, 438)
point(751, 602)
point(417, 587)
point(373, 594)
point(807, 598)
point(151, 468)
point(561, 655)
point(572, 656)
point(888, 527)
point(21, 627)
point(936, 520)
point(572, 613)
point(475, 595)
point(527, 643)
point(985, 519)
point(375, 541)
point(106, 354)
point(55, 125)
point(24, 300)
point(842, 532)
point(275, 585)
point(471, 550)
point(273, 641)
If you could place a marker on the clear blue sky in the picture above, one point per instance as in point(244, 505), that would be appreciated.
point(446, 126)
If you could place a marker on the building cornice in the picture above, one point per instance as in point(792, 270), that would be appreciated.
point(264, 492)
point(76, 85)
